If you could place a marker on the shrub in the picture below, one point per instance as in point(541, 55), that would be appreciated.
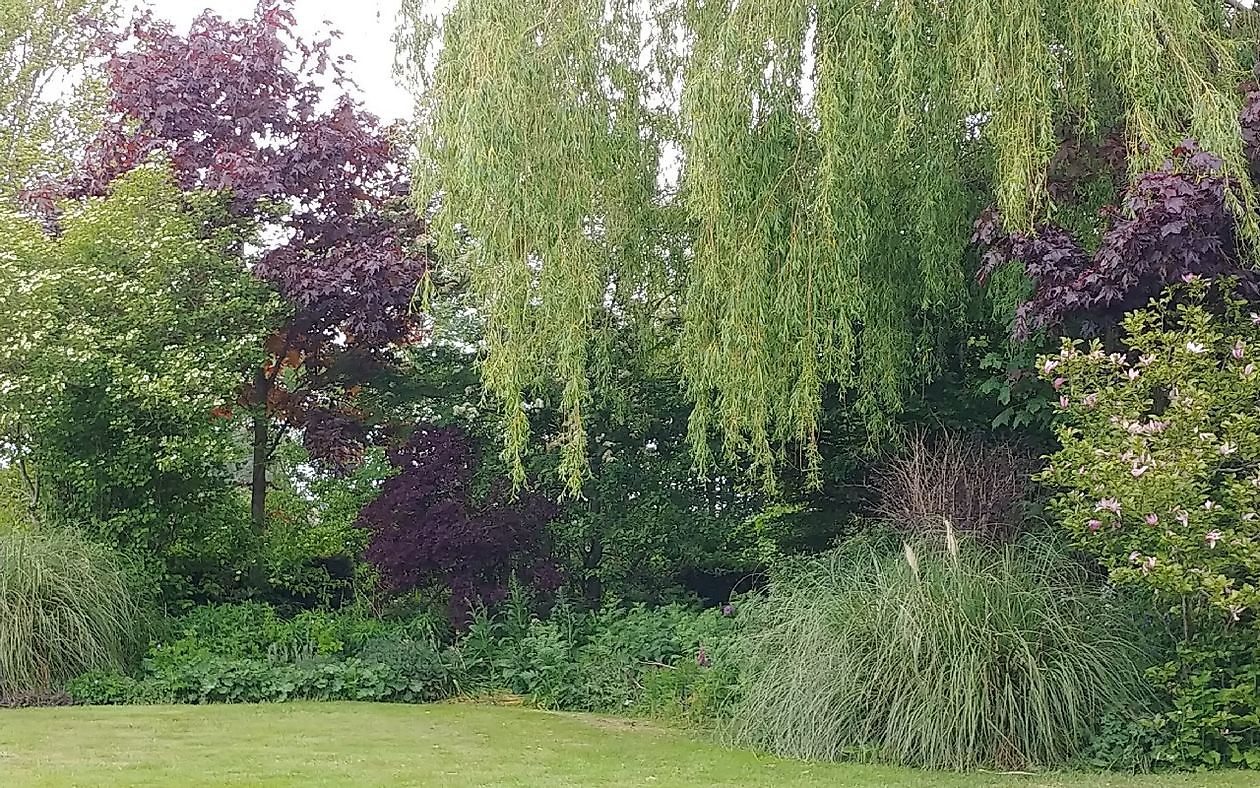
point(67, 605)
point(1159, 470)
point(1159, 478)
point(977, 485)
point(945, 659)
point(430, 525)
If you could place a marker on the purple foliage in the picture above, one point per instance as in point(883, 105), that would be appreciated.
point(234, 106)
point(430, 526)
point(1173, 224)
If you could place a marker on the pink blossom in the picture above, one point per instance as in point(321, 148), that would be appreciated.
point(1058, 383)
point(1249, 516)
point(1255, 318)
point(1227, 448)
point(1146, 360)
point(1118, 358)
point(1152, 519)
point(1188, 278)
point(1249, 370)
point(1134, 557)
point(1239, 351)
point(1133, 374)
point(1138, 470)
point(1148, 564)
point(1090, 400)
point(1209, 504)
point(1183, 517)
point(1063, 402)
point(1108, 505)
point(1049, 366)
point(1195, 347)
point(1094, 525)
point(1212, 537)
point(1234, 610)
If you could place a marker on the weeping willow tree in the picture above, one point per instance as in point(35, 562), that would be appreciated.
point(783, 188)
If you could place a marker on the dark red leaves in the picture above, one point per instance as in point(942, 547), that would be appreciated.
point(1172, 223)
point(430, 527)
point(235, 107)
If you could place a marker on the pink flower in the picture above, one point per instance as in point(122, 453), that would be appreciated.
point(1058, 383)
point(1234, 610)
point(1133, 374)
point(1148, 564)
point(1108, 505)
point(1091, 400)
point(1188, 278)
point(1138, 470)
point(1146, 360)
point(1152, 519)
point(1118, 358)
point(1209, 504)
point(1248, 516)
point(1049, 366)
point(1063, 402)
point(1183, 517)
point(1255, 318)
point(1195, 347)
point(1212, 537)
point(1249, 370)
point(1094, 525)
point(1227, 448)
point(1134, 557)
point(1239, 351)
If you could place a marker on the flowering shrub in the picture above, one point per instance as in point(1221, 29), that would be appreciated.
point(1160, 458)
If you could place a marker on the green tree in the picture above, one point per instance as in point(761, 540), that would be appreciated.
point(127, 337)
point(50, 97)
point(786, 187)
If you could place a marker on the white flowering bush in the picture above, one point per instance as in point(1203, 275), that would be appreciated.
point(1159, 469)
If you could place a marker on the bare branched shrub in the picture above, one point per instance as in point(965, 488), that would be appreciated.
point(978, 485)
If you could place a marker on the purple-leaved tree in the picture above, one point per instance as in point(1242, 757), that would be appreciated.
point(238, 106)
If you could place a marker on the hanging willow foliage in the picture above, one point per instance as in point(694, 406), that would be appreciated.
point(793, 179)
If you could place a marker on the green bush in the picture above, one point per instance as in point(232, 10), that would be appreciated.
point(1159, 470)
point(67, 605)
point(670, 662)
point(939, 658)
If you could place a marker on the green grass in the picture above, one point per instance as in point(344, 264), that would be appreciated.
point(302, 744)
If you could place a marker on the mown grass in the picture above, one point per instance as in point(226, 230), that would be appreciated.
point(302, 744)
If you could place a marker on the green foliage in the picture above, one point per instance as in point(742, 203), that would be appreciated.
point(311, 543)
point(947, 658)
point(638, 660)
point(67, 605)
point(1212, 684)
point(784, 186)
point(1159, 471)
point(50, 96)
point(129, 334)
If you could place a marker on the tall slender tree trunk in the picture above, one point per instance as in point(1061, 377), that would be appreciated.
point(258, 480)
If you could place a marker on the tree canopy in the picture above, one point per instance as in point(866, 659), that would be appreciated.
point(785, 188)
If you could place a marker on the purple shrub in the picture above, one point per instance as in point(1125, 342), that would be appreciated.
point(430, 526)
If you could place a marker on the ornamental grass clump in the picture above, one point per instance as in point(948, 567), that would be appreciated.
point(944, 657)
point(67, 605)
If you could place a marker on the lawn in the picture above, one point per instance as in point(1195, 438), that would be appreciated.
point(442, 745)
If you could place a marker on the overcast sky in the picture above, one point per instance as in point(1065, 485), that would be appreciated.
point(367, 27)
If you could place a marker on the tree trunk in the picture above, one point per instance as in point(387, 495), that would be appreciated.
point(258, 482)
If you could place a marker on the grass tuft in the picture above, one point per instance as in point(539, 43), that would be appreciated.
point(955, 659)
point(66, 606)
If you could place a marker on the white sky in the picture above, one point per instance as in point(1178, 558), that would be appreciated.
point(367, 28)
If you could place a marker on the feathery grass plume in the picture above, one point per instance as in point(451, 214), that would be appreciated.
point(912, 558)
point(67, 605)
point(1004, 659)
